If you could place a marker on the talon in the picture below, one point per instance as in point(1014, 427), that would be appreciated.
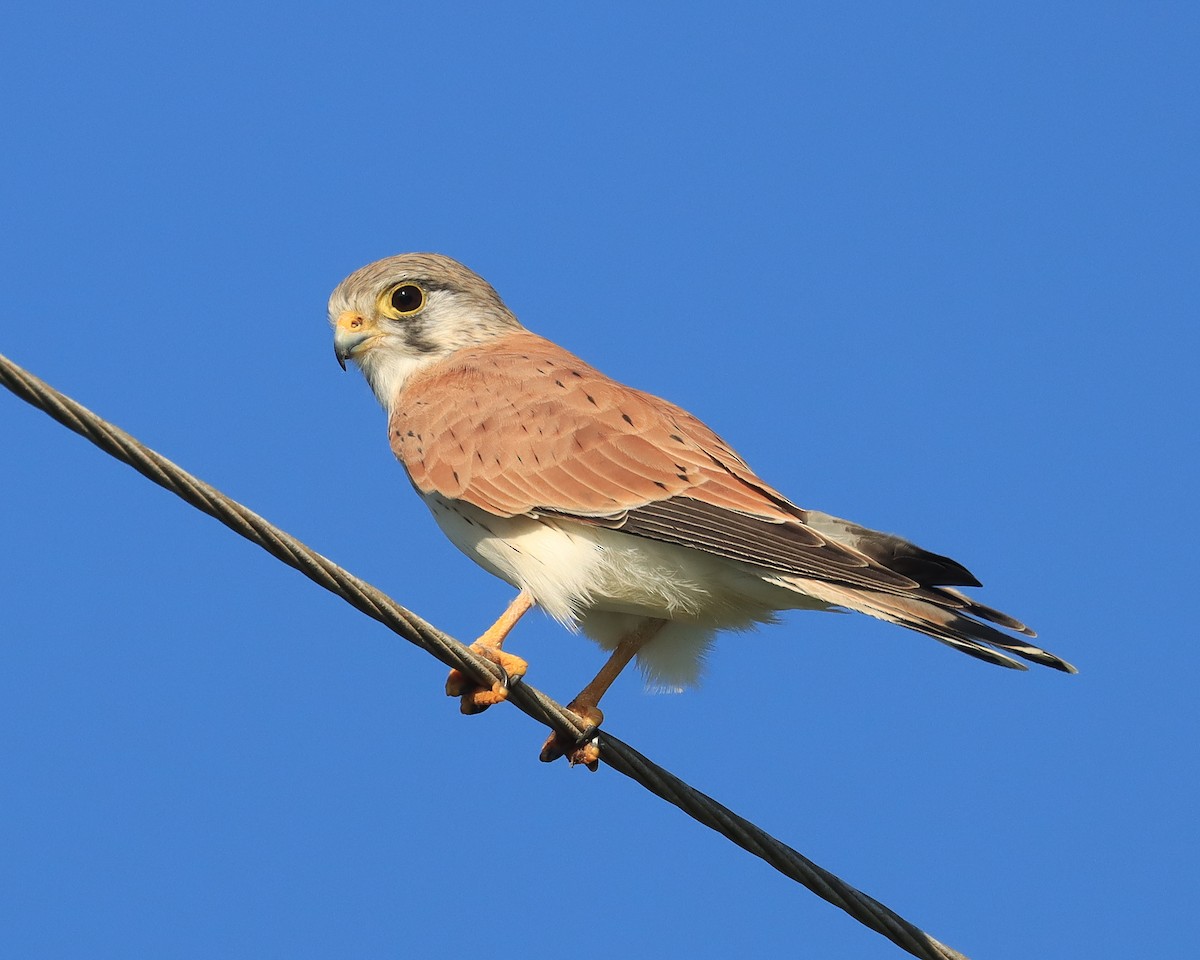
point(456, 683)
point(588, 755)
point(587, 752)
point(551, 749)
point(475, 698)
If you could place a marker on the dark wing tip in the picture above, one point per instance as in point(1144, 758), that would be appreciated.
point(923, 567)
point(1063, 666)
point(928, 569)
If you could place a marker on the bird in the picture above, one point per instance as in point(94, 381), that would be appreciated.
point(616, 512)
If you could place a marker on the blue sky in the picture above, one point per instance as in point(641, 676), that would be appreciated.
point(928, 266)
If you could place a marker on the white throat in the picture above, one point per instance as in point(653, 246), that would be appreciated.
point(388, 370)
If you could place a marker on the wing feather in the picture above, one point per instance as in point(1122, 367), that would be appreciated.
point(519, 426)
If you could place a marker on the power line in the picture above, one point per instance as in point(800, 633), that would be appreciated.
point(377, 605)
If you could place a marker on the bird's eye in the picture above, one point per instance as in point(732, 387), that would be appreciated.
point(404, 300)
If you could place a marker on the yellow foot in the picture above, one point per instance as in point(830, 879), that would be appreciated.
point(588, 752)
point(474, 698)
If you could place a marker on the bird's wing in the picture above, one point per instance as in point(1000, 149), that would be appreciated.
point(520, 426)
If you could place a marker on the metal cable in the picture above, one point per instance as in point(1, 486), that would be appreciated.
point(377, 605)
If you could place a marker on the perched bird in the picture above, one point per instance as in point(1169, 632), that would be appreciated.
point(616, 512)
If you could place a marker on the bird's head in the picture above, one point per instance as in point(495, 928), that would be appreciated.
point(395, 316)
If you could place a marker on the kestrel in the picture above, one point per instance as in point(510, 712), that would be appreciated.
point(616, 512)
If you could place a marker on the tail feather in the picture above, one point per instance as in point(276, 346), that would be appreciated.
point(977, 609)
point(949, 621)
point(933, 606)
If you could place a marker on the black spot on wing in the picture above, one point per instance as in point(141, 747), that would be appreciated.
point(926, 568)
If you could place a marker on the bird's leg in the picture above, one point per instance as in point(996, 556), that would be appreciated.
point(475, 698)
point(586, 705)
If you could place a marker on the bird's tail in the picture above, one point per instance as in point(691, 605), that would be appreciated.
point(946, 615)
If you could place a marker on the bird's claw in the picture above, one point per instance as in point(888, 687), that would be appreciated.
point(475, 697)
point(584, 749)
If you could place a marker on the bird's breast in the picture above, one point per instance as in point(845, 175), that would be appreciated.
point(556, 565)
point(572, 568)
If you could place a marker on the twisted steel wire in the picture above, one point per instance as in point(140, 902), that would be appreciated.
point(377, 605)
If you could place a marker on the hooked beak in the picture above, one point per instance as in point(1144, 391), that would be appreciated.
point(350, 331)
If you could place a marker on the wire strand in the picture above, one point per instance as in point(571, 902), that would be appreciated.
point(377, 605)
